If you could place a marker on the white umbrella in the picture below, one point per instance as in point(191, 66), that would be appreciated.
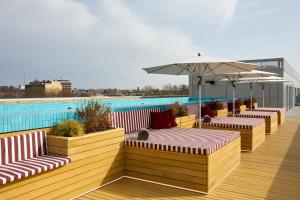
point(234, 77)
point(263, 80)
point(201, 66)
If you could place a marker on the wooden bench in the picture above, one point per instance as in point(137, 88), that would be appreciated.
point(280, 113)
point(97, 159)
point(199, 172)
point(270, 119)
point(195, 159)
point(252, 129)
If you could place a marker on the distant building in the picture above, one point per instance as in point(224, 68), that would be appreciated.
point(66, 84)
point(47, 88)
point(43, 88)
point(11, 92)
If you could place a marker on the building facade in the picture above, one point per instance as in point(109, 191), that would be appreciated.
point(37, 89)
point(281, 95)
point(66, 84)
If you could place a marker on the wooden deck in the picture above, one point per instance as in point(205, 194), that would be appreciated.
point(271, 172)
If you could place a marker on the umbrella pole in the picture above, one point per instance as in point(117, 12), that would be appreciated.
point(233, 99)
point(199, 111)
point(263, 94)
point(251, 94)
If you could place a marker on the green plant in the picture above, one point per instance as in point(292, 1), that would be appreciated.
point(253, 100)
point(215, 105)
point(68, 128)
point(179, 110)
point(94, 116)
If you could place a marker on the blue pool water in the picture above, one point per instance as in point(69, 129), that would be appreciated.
point(24, 116)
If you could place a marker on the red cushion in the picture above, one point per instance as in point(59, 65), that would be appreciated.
point(230, 106)
point(206, 110)
point(172, 118)
point(160, 120)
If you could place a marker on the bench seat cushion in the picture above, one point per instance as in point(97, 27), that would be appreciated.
point(269, 109)
point(20, 169)
point(184, 140)
point(234, 122)
point(256, 114)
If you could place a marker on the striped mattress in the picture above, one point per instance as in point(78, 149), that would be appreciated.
point(183, 140)
point(270, 109)
point(26, 155)
point(255, 114)
point(234, 122)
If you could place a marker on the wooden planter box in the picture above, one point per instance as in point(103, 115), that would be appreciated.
point(196, 172)
point(243, 108)
point(186, 121)
point(255, 105)
point(221, 113)
point(97, 159)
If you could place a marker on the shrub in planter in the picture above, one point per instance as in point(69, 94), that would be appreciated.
point(238, 103)
point(68, 128)
point(215, 105)
point(179, 110)
point(94, 116)
point(248, 101)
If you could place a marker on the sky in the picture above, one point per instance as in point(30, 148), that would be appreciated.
point(106, 43)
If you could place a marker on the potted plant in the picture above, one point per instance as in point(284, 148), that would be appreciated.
point(218, 108)
point(183, 119)
point(90, 132)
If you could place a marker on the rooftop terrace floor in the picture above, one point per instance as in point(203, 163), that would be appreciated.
point(271, 172)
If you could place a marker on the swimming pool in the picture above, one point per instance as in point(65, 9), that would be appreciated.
point(25, 116)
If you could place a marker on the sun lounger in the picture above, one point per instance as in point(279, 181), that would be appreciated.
point(252, 129)
point(270, 119)
point(280, 113)
point(196, 159)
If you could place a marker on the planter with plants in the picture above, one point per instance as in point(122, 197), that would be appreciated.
point(247, 102)
point(239, 105)
point(96, 150)
point(75, 138)
point(183, 119)
point(218, 109)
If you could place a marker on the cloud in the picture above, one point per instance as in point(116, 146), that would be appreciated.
point(193, 12)
point(103, 46)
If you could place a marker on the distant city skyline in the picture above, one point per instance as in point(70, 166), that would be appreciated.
point(105, 43)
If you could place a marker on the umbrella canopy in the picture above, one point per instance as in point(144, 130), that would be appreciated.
point(201, 66)
point(236, 76)
point(256, 79)
point(262, 81)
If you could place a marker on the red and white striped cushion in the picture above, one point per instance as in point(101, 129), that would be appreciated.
point(24, 168)
point(184, 140)
point(132, 120)
point(20, 147)
point(270, 109)
point(255, 114)
point(25, 155)
point(234, 122)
